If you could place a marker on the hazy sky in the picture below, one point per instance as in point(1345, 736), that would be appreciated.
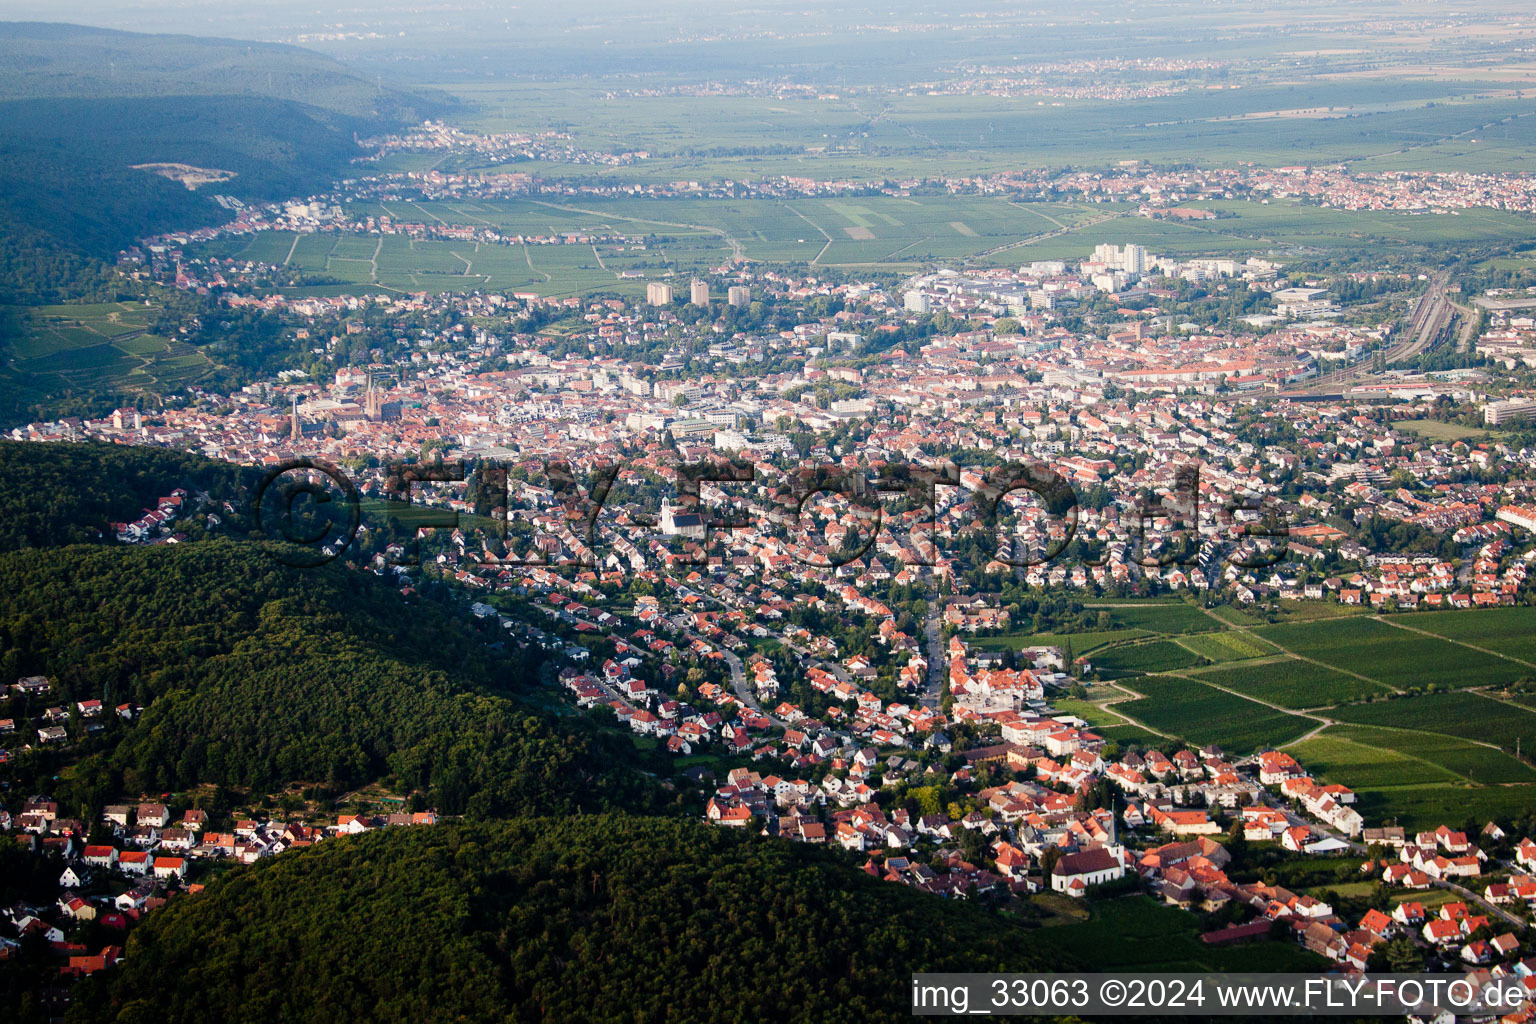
point(789, 38)
point(280, 19)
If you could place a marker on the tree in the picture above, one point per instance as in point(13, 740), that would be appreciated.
point(1100, 793)
point(929, 799)
point(1398, 955)
point(1237, 842)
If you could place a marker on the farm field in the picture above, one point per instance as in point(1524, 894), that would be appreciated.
point(1510, 631)
point(1291, 683)
point(1357, 758)
point(651, 238)
point(1369, 120)
point(1420, 759)
point(1466, 715)
point(1434, 430)
point(1082, 643)
point(1418, 779)
point(1088, 711)
point(100, 347)
point(1137, 933)
point(1171, 669)
point(1131, 734)
point(1294, 611)
point(1134, 659)
point(1226, 646)
point(1202, 714)
point(1164, 618)
point(1397, 657)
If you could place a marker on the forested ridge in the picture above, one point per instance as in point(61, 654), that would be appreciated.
point(597, 918)
point(57, 59)
point(70, 194)
point(54, 494)
point(256, 675)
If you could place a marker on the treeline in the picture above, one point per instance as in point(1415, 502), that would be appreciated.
point(255, 676)
point(609, 918)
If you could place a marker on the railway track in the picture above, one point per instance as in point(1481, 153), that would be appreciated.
point(1428, 325)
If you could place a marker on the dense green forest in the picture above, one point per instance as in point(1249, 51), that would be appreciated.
point(53, 494)
point(600, 918)
point(255, 676)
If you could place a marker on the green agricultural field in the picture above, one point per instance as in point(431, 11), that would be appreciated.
point(1291, 611)
point(1131, 734)
point(1428, 806)
point(1378, 123)
point(95, 348)
point(1469, 716)
point(1311, 611)
point(1141, 602)
point(1396, 657)
point(1283, 225)
point(1509, 631)
point(1089, 712)
point(1419, 779)
point(1164, 618)
point(1464, 759)
point(1154, 656)
point(1227, 646)
point(1135, 933)
point(1236, 616)
point(658, 237)
point(1202, 714)
point(1358, 759)
point(263, 247)
point(1434, 430)
point(312, 251)
point(1292, 683)
point(1481, 765)
point(1081, 643)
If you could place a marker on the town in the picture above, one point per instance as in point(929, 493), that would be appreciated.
point(816, 657)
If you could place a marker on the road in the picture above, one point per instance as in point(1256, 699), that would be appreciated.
point(931, 633)
point(739, 681)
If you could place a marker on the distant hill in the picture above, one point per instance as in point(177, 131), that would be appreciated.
point(82, 106)
point(591, 919)
point(53, 60)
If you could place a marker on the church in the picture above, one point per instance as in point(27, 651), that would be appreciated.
point(681, 524)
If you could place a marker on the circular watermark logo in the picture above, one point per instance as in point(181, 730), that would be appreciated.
point(308, 510)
